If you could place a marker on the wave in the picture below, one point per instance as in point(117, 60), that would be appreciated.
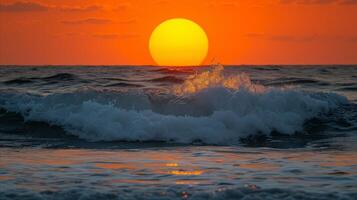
point(353, 88)
point(294, 81)
point(214, 116)
point(118, 79)
point(51, 79)
point(122, 84)
point(18, 81)
point(61, 77)
point(270, 68)
point(170, 79)
point(172, 70)
point(207, 107)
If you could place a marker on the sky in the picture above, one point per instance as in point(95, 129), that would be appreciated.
point(117, 32)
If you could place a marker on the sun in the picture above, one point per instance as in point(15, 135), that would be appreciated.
point(178, 42)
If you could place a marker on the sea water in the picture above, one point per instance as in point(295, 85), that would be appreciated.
point(143, 132)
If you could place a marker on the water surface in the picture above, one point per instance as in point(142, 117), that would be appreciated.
point(247, 132)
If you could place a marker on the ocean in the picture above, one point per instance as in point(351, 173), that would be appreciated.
point(145, 132)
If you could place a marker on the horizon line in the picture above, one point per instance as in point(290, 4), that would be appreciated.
point(146, 65)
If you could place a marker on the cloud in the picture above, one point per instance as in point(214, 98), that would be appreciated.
point(161, 2)
point(27, 6)
point(103, 36)
point(23, 7)
point(304, 38)
point(106, 36)
point(113, 36)
point(78, 9)
point(352, 39)
point(307, 2)
point(319, 2)
point(343, 38)
point(349, 2)
point(228, 4)
point(95, 21)
point(71, 34)
point(128, 21)
point(283, 38)
point(121, 7)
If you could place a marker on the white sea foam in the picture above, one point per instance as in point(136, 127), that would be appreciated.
point(214, 113)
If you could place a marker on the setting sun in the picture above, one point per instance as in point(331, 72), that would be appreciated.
point(178, 42)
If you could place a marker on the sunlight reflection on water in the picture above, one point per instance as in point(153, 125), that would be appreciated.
point(199, 166)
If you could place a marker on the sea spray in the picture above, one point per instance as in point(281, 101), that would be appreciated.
point(215, 78)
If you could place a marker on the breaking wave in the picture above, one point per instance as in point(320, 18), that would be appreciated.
point(208, 107)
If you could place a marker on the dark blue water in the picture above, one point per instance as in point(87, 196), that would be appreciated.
point(234, 132)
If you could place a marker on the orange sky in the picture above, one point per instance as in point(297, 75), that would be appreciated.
point(116, 32)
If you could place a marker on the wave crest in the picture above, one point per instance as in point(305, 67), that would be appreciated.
point(215, 78)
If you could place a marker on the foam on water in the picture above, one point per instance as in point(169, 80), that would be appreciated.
point(208, 107)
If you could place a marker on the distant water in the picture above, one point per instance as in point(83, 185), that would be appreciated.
point(233, 132)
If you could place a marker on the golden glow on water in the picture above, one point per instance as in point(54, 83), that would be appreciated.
point(3, 178)
point(180, 166)
point(341, 160)
point(188, 182)
point(186, 173)
point(171, 165)
point(114, 166)
point(138, 181)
